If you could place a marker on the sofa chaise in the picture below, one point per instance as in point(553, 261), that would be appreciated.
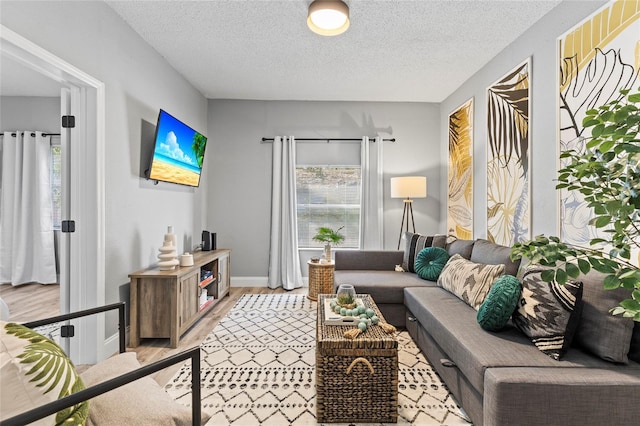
point(501, 377)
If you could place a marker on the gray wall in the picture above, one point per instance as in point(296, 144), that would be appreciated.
point(240, 166)
point(138, 82)
point(539, 43)
point(30, 113)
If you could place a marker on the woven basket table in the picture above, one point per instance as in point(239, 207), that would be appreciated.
point(356, 380)
point(320, 278)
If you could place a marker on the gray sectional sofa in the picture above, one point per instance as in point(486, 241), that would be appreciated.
point(501, 377)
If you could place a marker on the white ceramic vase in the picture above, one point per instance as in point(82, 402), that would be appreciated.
point(168, 255)
point(170, 235)
point(327, 252)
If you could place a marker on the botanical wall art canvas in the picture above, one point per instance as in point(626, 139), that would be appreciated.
point(508, 217)
point(598, 58)
point(460, 201)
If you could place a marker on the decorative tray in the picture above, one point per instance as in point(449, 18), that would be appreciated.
point(331, 318)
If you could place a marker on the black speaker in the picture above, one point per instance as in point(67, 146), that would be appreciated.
point(208, 241)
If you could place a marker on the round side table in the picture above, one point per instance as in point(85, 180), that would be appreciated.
point(320, 278)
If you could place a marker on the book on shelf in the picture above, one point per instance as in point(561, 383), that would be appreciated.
point(207, 303)
point(206, 281)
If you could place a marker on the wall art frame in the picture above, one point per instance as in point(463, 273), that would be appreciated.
point(508, 157)
point(460, 172)
point(597, 58)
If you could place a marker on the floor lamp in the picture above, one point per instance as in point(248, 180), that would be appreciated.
point(408, 187)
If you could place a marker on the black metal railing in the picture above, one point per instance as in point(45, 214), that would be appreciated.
point(109, 385)
point(85, 313)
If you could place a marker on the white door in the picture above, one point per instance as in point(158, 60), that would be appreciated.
point(89, 331)
point(65, 244)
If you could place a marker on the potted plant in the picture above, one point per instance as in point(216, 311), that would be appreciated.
point(607, 174)
point(328, 236)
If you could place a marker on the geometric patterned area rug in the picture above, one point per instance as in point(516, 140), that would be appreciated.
point(258, 368)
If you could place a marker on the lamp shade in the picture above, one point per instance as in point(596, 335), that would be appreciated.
point(409, 187)
point(328, 17)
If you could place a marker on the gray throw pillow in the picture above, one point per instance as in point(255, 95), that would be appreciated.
point(485, 251)
point(599, 332)
point(461, 247)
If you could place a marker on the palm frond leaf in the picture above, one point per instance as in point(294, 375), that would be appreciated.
point(598, 83)
point(49, 364)
point(508, 117)
point(461, 215)
point(596, 33)
point(458, 185)
point(51, 369)
point(493, 210)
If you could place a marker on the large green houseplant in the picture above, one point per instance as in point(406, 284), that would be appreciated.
point(607, 174)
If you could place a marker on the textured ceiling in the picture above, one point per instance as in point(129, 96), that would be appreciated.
point(394, 50)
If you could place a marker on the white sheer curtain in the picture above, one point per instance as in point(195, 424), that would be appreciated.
point(284, 262)
point(26, 223)
point(371, 218)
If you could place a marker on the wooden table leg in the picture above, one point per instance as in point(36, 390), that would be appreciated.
point(134, 329)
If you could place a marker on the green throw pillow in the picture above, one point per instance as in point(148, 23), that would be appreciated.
point(430, 261)
point(500, 303)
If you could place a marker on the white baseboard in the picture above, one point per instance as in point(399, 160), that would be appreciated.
point(111, 345)
point(257, 281)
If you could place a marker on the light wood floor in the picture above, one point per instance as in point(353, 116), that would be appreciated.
point(34, 301)
point(30, 302)
point(155, 349)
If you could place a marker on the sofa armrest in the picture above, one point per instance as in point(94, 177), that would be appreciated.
point(375, 260)
point(567, 396)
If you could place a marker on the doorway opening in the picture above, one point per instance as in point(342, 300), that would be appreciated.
point(83, 97)
point(31, 103)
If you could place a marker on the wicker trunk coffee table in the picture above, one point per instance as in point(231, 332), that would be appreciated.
point(356, 380)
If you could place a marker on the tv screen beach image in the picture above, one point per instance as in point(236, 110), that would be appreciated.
point(179, 152)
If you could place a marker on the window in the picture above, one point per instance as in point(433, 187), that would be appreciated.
point(56, 185)
point(328, 196)
point(328, 190)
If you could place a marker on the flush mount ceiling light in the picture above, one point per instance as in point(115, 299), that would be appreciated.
point(328, 17)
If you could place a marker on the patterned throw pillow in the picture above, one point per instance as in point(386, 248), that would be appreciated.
point(36, 371)
point(430, 262)
point(413, 243)
point(548, 313)
point(500, 303)
point(468, 280)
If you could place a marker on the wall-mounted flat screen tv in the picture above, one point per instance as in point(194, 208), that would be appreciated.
point(178, 152)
